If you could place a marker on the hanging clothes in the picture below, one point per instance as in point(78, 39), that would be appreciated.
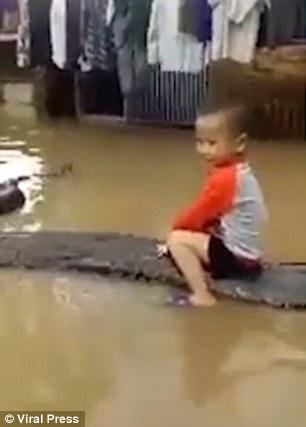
point(8, 5)
point(39, 14)
point(285, 21)
point(58, 22)
point(73, 33)
point(166, 46)
point(187, 18)
point(110, 11)
point(235, 26)
point(23, 45)
point(263, 27)
point(98, 49)
point(203, 20)
point(195, 19)
point(8, 15)
point(129, 25)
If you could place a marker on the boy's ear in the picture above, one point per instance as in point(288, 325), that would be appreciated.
point(241, 143)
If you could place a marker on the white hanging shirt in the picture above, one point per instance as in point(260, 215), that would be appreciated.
point(166, 46)
point(235, 28)
point(110, 11)
point(58, 32)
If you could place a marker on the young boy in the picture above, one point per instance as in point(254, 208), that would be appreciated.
point(221, 230)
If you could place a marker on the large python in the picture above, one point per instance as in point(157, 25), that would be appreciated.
point(130, 257)
point(134, 258)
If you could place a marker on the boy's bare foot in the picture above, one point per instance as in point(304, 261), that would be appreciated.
point(205, 300)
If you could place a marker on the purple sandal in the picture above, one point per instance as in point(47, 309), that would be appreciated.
point(181, 300)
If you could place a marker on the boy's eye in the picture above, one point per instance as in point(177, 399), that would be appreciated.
point(209, 142)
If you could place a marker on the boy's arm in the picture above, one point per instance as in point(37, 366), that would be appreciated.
point(215, 200)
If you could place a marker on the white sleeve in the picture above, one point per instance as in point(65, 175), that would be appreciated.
point(153, 34)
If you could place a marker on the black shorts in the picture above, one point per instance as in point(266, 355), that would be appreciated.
point(225, 265)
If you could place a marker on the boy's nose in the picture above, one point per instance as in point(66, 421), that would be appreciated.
point(206, 150)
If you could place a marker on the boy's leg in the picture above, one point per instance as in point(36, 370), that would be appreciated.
point(189, 250)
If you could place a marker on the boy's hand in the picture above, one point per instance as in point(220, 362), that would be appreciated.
point(162, 250)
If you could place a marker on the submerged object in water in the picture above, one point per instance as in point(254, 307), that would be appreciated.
point(11, 197)
point(126, 256)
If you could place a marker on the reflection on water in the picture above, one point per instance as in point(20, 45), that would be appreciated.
point(50, 351)
point(112, 348)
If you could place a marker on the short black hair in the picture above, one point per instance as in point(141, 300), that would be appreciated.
point(238, 115)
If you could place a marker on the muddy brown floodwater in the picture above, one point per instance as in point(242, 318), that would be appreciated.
point(113, 349)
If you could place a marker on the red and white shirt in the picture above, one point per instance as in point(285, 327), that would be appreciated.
point(232, 207)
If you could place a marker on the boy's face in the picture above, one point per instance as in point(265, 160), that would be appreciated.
point(216, 141)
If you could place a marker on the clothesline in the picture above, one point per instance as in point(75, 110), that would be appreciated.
point(167, 43)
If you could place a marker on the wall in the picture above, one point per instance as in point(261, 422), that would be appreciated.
point(273, 86)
